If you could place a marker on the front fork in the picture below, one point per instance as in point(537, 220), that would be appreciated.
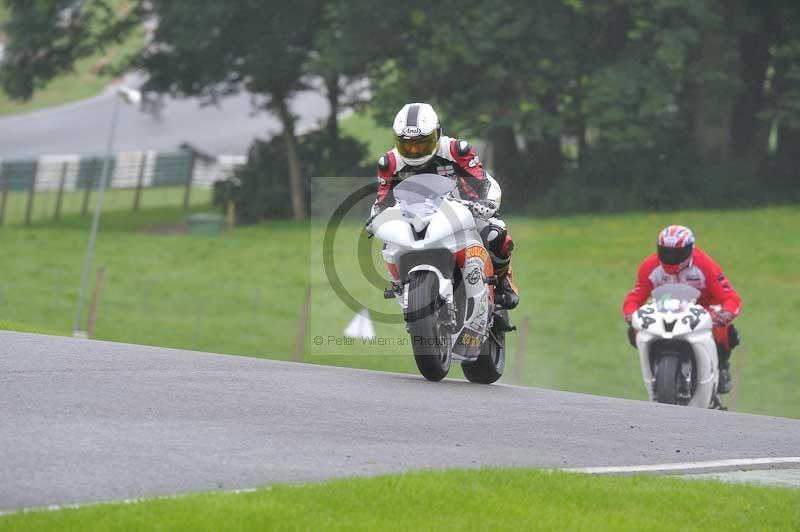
point(685, 392)
point(399, 291)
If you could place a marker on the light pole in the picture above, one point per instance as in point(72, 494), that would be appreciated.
point(129, 96)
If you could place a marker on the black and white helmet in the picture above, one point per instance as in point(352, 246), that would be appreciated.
point(417, 132)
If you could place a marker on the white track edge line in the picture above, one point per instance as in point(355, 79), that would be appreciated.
point(686, 466)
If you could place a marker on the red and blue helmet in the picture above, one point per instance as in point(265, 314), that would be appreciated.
point(675, 247)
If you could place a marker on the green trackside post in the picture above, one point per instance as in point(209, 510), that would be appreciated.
point(137, 199)
point(4, 198)
point(31, 196)
point(60, 197)
point(189, 177)
point(87, 263)
point(88, 192)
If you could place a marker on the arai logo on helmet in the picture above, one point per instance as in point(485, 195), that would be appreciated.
point(412, 131)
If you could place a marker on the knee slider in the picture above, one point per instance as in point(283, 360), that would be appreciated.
point(494, 236)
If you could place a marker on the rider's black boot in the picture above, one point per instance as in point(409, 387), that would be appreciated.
point(506, 294)
point(725, 378)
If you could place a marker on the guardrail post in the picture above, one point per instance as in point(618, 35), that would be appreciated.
point(61, 183)
point(137, 198)
point(88, 192)
point(189, 177)
point(4, 198)
point(31, 194)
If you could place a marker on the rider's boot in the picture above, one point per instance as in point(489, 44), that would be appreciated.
point(725, 378)
point(506, 293)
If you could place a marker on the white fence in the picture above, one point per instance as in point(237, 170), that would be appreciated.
point(54, 179)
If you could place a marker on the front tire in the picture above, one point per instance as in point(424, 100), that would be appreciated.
point(430, 344)
point(668, 375)
point(492, 360)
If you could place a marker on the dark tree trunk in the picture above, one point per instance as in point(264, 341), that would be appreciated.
point(547, 163)
point(296, 188)
point(334, 93)
point(506, 166)
point(711, 92)
point(749, 135)
point(546, 155)
point(505, 152)
point(583, 147)
point(787, 158)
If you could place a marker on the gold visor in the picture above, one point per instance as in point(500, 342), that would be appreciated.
point(418, 147)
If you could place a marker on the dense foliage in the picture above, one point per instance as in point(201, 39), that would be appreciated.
point(603, 104)
point(584, 104)
point(259, 189)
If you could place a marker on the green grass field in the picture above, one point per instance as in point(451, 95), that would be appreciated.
point(16, 327)
point(243, 292)
point(453, 500)
point(115, 199)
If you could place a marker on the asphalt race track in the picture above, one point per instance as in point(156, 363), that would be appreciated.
point(89, 421)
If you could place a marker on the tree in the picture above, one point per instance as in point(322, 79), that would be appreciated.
point(46, 37)
point(577, 99)
point(485, 67)
point(202, 48)
point(211, 48)
point(783, 95)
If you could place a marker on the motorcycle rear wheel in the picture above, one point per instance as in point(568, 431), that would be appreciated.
point(430, 343)
point(492, 360)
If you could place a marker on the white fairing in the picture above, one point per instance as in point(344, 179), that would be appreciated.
point(448, 226)
point(692, 324)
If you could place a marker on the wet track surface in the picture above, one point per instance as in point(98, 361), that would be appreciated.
point(89, 421)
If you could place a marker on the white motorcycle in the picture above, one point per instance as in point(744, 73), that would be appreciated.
point(443, 279)
point(676, 347)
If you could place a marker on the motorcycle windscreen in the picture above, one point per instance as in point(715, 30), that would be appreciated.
point(422, 194)
point(679, 291)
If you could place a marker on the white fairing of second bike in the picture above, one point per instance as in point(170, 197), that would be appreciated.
point(452, 227)
point(700, 338)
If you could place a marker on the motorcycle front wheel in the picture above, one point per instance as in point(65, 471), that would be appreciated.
point(668, 375)
point(430, 343)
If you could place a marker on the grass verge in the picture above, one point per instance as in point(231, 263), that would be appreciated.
point(115, 199)
point(16, 327)
point(451, 500)
point(242, 292)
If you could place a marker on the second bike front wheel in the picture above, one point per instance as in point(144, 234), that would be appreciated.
point(668, 373)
